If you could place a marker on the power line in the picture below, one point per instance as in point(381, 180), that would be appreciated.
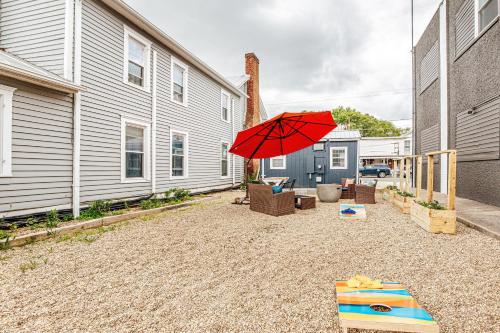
point(326, 99)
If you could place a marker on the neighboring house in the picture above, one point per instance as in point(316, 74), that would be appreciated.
point(334, 157)
point(457, 101)
point(107, 106)
point(384, 150)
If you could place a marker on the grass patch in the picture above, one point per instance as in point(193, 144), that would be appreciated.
point(30, 265)
point(88, 237)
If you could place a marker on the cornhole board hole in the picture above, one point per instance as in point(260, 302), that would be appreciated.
point(391, 308)
point(359, 209)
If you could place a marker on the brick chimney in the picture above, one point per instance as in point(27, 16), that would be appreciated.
point(253, 102)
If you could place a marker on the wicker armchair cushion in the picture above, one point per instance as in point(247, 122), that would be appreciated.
point(277, 189)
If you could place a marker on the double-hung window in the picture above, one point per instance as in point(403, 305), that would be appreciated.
point(487, 11)
point(278, 163)
point(338, 158)
point(6, 94)
point(137, 59)
point(179, 154)
point(224, 160)
point(135, 151)
point(225, 106)
point(179, 81)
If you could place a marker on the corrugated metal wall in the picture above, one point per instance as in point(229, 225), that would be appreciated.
point(34, 30)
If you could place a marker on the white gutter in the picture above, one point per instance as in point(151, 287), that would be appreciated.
point(153, 125)
point(443, 79)
point(77, 102)
point(140, 21)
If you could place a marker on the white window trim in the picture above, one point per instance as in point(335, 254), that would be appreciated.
point(175, 61)
point(229, 105)
point(228, 160)
point(186, 154)
point(275, 158)
point(346, 158)
point(6, 95)
point(147, 138)
point(478, 32)
point(128, 32)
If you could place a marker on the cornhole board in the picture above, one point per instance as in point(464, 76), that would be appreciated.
point(405, 315)
point(359, 209)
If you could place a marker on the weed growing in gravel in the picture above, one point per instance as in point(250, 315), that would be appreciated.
point(5, 238)
point(30, 265)
point(87, 236)
point(4, 258)
point(53, 219)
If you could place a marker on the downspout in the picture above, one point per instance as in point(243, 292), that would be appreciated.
point(233, 161)
point(153, 125)
point(443, 79)
point(77, 102)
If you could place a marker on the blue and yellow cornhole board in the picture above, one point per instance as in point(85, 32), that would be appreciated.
point(360, 212)
point(406, 315)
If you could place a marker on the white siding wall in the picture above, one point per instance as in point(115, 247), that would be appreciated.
point(107, 98)
point(42, 126)
point(34, 30)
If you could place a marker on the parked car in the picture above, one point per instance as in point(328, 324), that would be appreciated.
point(379, 170)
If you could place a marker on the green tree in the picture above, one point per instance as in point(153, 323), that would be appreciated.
point(368, 125)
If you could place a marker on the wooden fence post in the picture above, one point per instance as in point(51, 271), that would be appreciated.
point(452, 180)
point(401, 173)
point(394, 177)
point(419, 176)
point(430, 177)
point(408, 174)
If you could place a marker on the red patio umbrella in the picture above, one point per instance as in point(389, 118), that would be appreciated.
point(283, 134)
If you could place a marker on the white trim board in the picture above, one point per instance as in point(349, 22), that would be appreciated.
point(346, 150)
point(6, 96)
point(275, 158)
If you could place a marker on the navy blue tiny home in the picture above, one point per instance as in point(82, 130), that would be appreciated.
point(334, 157)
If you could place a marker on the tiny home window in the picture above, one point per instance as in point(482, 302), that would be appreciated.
point(319, 146)
point(135, 151)
point(278, 163)
point(338, 158)
point(225, 106)
point(487, 11)
point(224, 160)
point(137, 59)
point(179, 82)
point(6, 94)
point(179, 149)
point(407, 147)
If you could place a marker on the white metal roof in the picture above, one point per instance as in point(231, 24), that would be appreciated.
point(15, 67)
point(339, 134)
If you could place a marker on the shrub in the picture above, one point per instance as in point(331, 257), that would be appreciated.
point(406, 194)
point(150, 204)
point(32, 223)
point(52, 219)
point(391, 187)
point(97, 209)
point(432, 205)
point(181, 194)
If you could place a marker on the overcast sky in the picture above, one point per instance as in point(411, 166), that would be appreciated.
point(314, 55)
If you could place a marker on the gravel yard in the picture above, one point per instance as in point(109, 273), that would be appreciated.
point(217, 267)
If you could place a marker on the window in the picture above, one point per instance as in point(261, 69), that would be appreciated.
point(407, 147)
point(179, 82)
point(278, 162)
point(6, 94)
point(487, 11)
point(319, 146)
point(179, 145)
point(338, 158)
point(137, 58)
point(224, 159)
point(225, 106)
point(135, 151)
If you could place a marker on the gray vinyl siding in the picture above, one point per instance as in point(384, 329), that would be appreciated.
point(430, 139)
point(429, 67)
point(301, 163)
point(478, 134)
point(34, 30)
point(42, 127)
point(464, 25)
point(107, 99)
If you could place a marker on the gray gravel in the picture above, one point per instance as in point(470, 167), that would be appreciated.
point(218, 267)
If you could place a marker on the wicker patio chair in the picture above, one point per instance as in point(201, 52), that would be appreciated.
point(263, 200)
point(348, 191)
point(365, 194)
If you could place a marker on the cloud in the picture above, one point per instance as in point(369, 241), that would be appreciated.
point(328, 53)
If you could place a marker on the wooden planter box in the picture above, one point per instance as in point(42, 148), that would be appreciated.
point(432, 220)
point(403, 203)
point(388, 195)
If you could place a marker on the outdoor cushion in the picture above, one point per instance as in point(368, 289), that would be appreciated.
point(371, 183)
point(277, 189)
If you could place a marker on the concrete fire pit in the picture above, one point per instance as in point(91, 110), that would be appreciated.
point(329, 192)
